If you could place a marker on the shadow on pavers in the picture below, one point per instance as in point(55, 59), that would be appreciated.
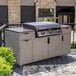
point(45, 65)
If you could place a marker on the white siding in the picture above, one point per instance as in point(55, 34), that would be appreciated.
point(66, 2)
point(27, 2)
point(3, 2)
point(23, 2)
point(31, 2)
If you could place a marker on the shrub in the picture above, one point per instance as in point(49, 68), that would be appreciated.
point(8, 55)
point(73, 43)
point(7, 60)
point(5, 68)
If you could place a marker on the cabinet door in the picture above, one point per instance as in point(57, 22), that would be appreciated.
point(55, 46)
point(25, 51)
point(66, 43)
point(40, 49)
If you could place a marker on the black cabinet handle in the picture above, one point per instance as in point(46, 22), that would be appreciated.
point(26, 40)
point(48, 40)
point(26, 33)
point(62, 38)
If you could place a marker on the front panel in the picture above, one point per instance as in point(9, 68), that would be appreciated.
point(40, 49)
point(12, 40)
point(55, 46)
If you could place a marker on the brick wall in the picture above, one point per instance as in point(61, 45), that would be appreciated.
point(45, 4)
point(14, 11)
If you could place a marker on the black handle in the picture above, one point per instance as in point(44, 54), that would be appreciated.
point(26, 40)
point(62, 38)
point(26, 33)
point(48, 40)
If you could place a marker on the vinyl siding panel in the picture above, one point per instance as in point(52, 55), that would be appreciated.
point(3, 2)
point(27, 2)
point(23, 2)
point(66, 2)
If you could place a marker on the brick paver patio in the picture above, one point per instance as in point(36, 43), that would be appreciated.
point(58, 66)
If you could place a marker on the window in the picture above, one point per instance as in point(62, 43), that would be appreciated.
point(48, 12)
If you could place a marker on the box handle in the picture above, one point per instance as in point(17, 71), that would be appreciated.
point(26, 40)
point(62, 38)
point(48, 40)
point(26, 33)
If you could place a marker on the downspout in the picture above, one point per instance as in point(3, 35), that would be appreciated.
point(56, 10)
point(35, 10)
point(74, 22)
point(75, 12)
point(35, 4)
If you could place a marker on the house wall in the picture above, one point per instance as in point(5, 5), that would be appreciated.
point(3, 2)
point(30, 3)
point(14, 11)
point(22, 2)
point(27, 2)
point(17, 14)
point(27, 11)
point(66, 2)
point(45, 4)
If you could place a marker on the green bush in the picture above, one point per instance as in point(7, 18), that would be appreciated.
point(8, 55)
point(73, 43)
point(5, 68)
point(7, 60)
point(51, 19)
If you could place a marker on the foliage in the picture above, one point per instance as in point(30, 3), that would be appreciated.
point(8, 55)
point(7, 60)
point(51, 19)
point(73, 43)
point(5, 68)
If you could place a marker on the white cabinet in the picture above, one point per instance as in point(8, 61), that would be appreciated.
point(29, 49)
point(25, 51)
point(22, 45)
point(59, 45)
point(40, 49)
point(55, 45)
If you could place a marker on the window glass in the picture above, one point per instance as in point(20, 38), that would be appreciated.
point(46, 12)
